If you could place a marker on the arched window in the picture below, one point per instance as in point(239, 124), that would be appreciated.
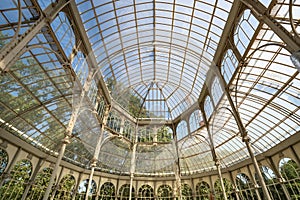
point(114, 121)
point(202, 190)
point(124, 192)
point(92, 93)
point(146, 192)
point(128, 130)
point(80, 67)
point(145, 134)
point(245, 187)
point(186, 191)
point(245, 30)
point(65, 187)
point(19, 177)
point(164, 192)
point(228, 189)
point(3, 160)
point(272, 183)
point(195, 120)
point(100, 106)
point(289, 170)
point(107, 191)
point(40, 184)
point(208, 107)
point(164, 134)
point(181, 130)
point(82, 189)
point(63, 31)
point(216, 90)
point(229, 65)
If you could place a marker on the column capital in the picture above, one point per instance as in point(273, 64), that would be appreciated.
point(131, 175)
point(246, 138)
point(93, 162)
point(217, 162)
point(66, 140)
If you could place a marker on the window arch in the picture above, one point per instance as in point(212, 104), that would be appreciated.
point(100, 107)
point(114, 121)
point(124, 192)
point(181, 130)
point(208, 107)
point(186, 191)
point(145, 134)
point(216, 90)
point(19, 177)
point(195, 120)
point(128, 130)
point(202, 190)
point(146, 192)
point(3, 160)
point(164, 192)
point(82, 189)
point(40, 184)
point(65, 187)
point(228, 188)
point(271, 181)
point(63, 31)
point(245, 186)
point(80, 67)
point(164, 134)
point(289, 170)
point(107, 191)
point(92, 93)
point(245, 30)
point(229, 65)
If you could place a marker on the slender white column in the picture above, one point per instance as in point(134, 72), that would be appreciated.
point(65, 141)
point(133, 161)
point(97, 151)
point(221, 180)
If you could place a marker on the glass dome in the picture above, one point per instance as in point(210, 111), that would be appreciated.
point(140, 89)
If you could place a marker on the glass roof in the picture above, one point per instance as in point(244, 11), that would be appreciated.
point(159, 50)
point(156, 60)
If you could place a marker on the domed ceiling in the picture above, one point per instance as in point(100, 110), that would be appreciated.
point(159, 60)
point(159, 51)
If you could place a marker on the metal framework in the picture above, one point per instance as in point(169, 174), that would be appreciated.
point(175, 90)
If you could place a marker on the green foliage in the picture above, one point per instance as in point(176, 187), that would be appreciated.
point(290, 172)
point(218, 189)
point(40, 184)
point(145, 134)
point(2, 40)
point(126, 99)
point(107, 191)
point(124, 192)
point(14, 186)
point(3, 160)
point(186, 192)
point(11, 92)
point(146, 191)
point(164, 134)
point(202, 191)
point(164, 192)
point(65, 188)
